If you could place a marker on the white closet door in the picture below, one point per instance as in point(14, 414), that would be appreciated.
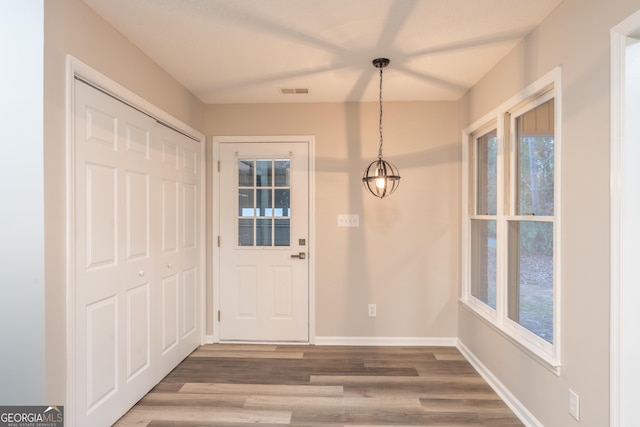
point(115, 278)
point(137, 254)
point(178, 206)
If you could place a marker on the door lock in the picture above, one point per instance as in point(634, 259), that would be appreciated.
point(300, 255)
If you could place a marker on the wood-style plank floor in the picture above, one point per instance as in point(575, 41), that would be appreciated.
point(292, 385)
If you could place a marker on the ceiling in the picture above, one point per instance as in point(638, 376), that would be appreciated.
point(247, 51)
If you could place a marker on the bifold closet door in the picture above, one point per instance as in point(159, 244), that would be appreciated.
point(137, 264)
point(178, 207)
point(115, 278)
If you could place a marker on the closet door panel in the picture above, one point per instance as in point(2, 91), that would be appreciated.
point(169, 213)
point(101, 216)
point(169, 319)
point(181, 246)
point(190, 302)
point(138, 220)
point(191, 190)
point(114, 276)
point(102, 352)
point(138, 330)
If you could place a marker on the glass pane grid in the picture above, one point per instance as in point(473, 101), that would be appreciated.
point(264, 208)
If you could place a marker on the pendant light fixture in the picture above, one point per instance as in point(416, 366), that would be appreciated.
point(381, 178)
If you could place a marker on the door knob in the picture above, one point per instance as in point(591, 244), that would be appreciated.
point(300, 255)
point(141, 273)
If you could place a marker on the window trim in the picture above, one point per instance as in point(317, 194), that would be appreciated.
point(547, 87)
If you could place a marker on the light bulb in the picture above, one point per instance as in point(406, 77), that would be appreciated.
point(381, 183)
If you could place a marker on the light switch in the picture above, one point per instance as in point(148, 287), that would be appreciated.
point(348, 220)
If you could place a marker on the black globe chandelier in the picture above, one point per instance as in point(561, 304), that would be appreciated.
point(381, 178)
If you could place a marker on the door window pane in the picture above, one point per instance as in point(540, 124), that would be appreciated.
point(263, 202)
point(483, 261)
point(535, 162)
point(283, 205)
point(264, 206)
point(282, 232)
point(245, 203)
point(487, 173)
point(245, 232)
point(245, 173)
point(282, 168)
point(530, 287)
point(264, 169)
point(263, 232)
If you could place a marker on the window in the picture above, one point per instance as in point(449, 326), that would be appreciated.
point(264, 208)
point(511, 220)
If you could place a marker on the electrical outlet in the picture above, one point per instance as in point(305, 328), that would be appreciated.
point(574, 405)
point(372, 310)
point(348, 220)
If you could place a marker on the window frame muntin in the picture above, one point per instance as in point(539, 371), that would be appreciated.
point(549, 86)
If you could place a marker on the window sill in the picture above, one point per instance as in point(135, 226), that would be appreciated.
point(545, 360)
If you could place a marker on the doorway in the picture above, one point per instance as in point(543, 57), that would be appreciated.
point(264, 238)
point(625, 231)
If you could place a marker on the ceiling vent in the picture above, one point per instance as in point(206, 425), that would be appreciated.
point(293, 91)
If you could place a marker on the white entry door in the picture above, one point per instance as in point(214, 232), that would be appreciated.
point(264, 229)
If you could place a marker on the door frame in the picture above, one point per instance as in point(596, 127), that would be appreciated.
point(215, 223)
point(624, 233)
point(76, 68)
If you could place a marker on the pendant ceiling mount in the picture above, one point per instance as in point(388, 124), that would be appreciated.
point(380, 62)
point(381, 177)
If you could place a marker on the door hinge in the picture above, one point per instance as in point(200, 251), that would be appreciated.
point(218, 241)
point(218, 165)
point(218, 315)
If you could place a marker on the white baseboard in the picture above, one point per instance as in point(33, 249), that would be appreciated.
point(387, 341)
point(361, 341)
point(516, 406)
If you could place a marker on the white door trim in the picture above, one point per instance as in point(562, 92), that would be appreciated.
point(74, 68)
point(215, 224)
point(625, 205)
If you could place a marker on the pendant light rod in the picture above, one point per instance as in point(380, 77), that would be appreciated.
point(380, 63)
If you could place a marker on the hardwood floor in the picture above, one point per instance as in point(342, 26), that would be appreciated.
point(292, 385)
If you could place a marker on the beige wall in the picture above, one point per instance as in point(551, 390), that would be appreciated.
point(576, 37)
point(72, 28)
point(404, 256)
